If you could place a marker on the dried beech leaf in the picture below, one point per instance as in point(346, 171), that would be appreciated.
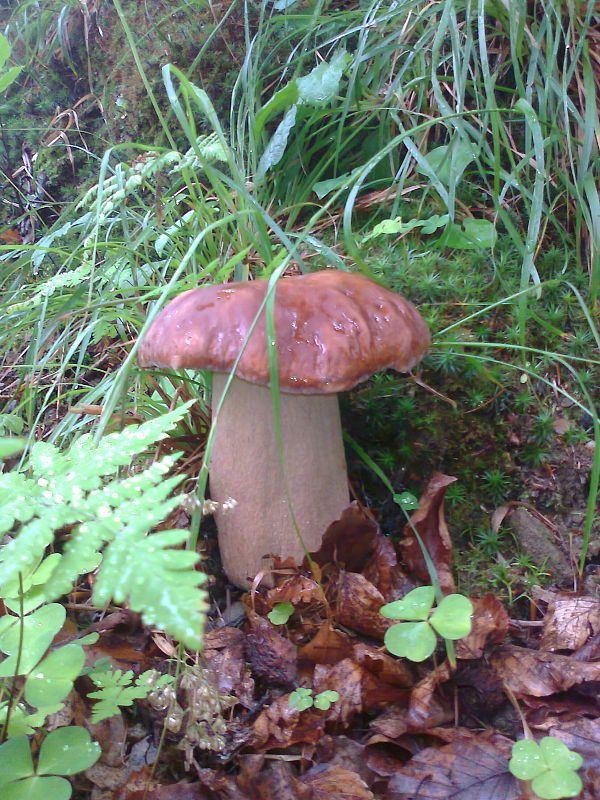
point(475, 768)
point(328, 646)
point(341, 751)
point(430, 523)
point(271, 655)
point(489, 624)
point(348, 542)
point(383, 572)
point(358, 604)
point(329, 782)
point(346, 679)
point(386, 667)
point(223, 787)
point(426, 709)
point(528, 672)
point(569, 623)
point(225, 656)
point(140, 786)
point(277, 782)
point(295, 590)
point(281, 726)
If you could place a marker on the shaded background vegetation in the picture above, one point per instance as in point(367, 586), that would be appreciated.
point(457, 109)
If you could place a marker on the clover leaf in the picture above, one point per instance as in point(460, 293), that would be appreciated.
point(65, 751)
point(550, 766)
point(280, 613)
point(415, 639)
point(301, 699)
point(324, 699)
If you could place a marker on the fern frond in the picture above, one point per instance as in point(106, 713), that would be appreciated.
point(71, 489)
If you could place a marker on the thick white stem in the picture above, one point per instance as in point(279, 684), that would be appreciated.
point(245, 465)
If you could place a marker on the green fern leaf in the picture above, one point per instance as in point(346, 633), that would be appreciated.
point(71, 488)
point(156, 582)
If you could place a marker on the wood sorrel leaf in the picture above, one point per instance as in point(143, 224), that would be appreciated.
point(52, 679)
point(67, 751)
point(556, 754)
point(452, 618)
point(555, 784)
point(413, 640)
point(416, 605)
point(526, 762)
point(38, 788)
point(15, 759)
point(39, 629)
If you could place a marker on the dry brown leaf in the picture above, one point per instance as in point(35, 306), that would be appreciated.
point(561, 425)
point(329, 782)
point(135, 789)
point(430, 524)
point(387, 668)
point(490, 624)
point(341, 751)
point(224, 654)
point(107, 779)
point(358, 604)
point(385, 760)
point(271, 655)
point(345, 678)
point(328, 646)
point(348, 542)
point(220, 786)
point(276, 782)
point(471, 768)
point(480, 694)
point(281, 726)
point(423, 711)
point(528, 672)
point(426, 708)
point(569, 622)
point(383, 572)
point(295, 590)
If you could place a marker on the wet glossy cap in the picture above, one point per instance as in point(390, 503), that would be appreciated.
point(334, 329)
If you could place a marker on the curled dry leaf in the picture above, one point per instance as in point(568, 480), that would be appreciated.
point(430, 523)
point(281, 726)
point(223, 787)
point(489, 624)
point(329, 646)
point(527, 672)
point(329, 782)
point(383, 572)
point(569, 622)
point(424, 710)
point(296, 590)
point(141, 786)
point(358, 604)
point(480, 694)
point(341, 751)
point(348, 542)
point(224, 654)
point(271, 655)
point(345, 678)
point(277, 782)
point(472, 768)
point(387, 668)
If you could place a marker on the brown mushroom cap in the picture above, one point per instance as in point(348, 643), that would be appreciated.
point(333, 329)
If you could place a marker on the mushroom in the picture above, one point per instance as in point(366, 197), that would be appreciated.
point(333, 330)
